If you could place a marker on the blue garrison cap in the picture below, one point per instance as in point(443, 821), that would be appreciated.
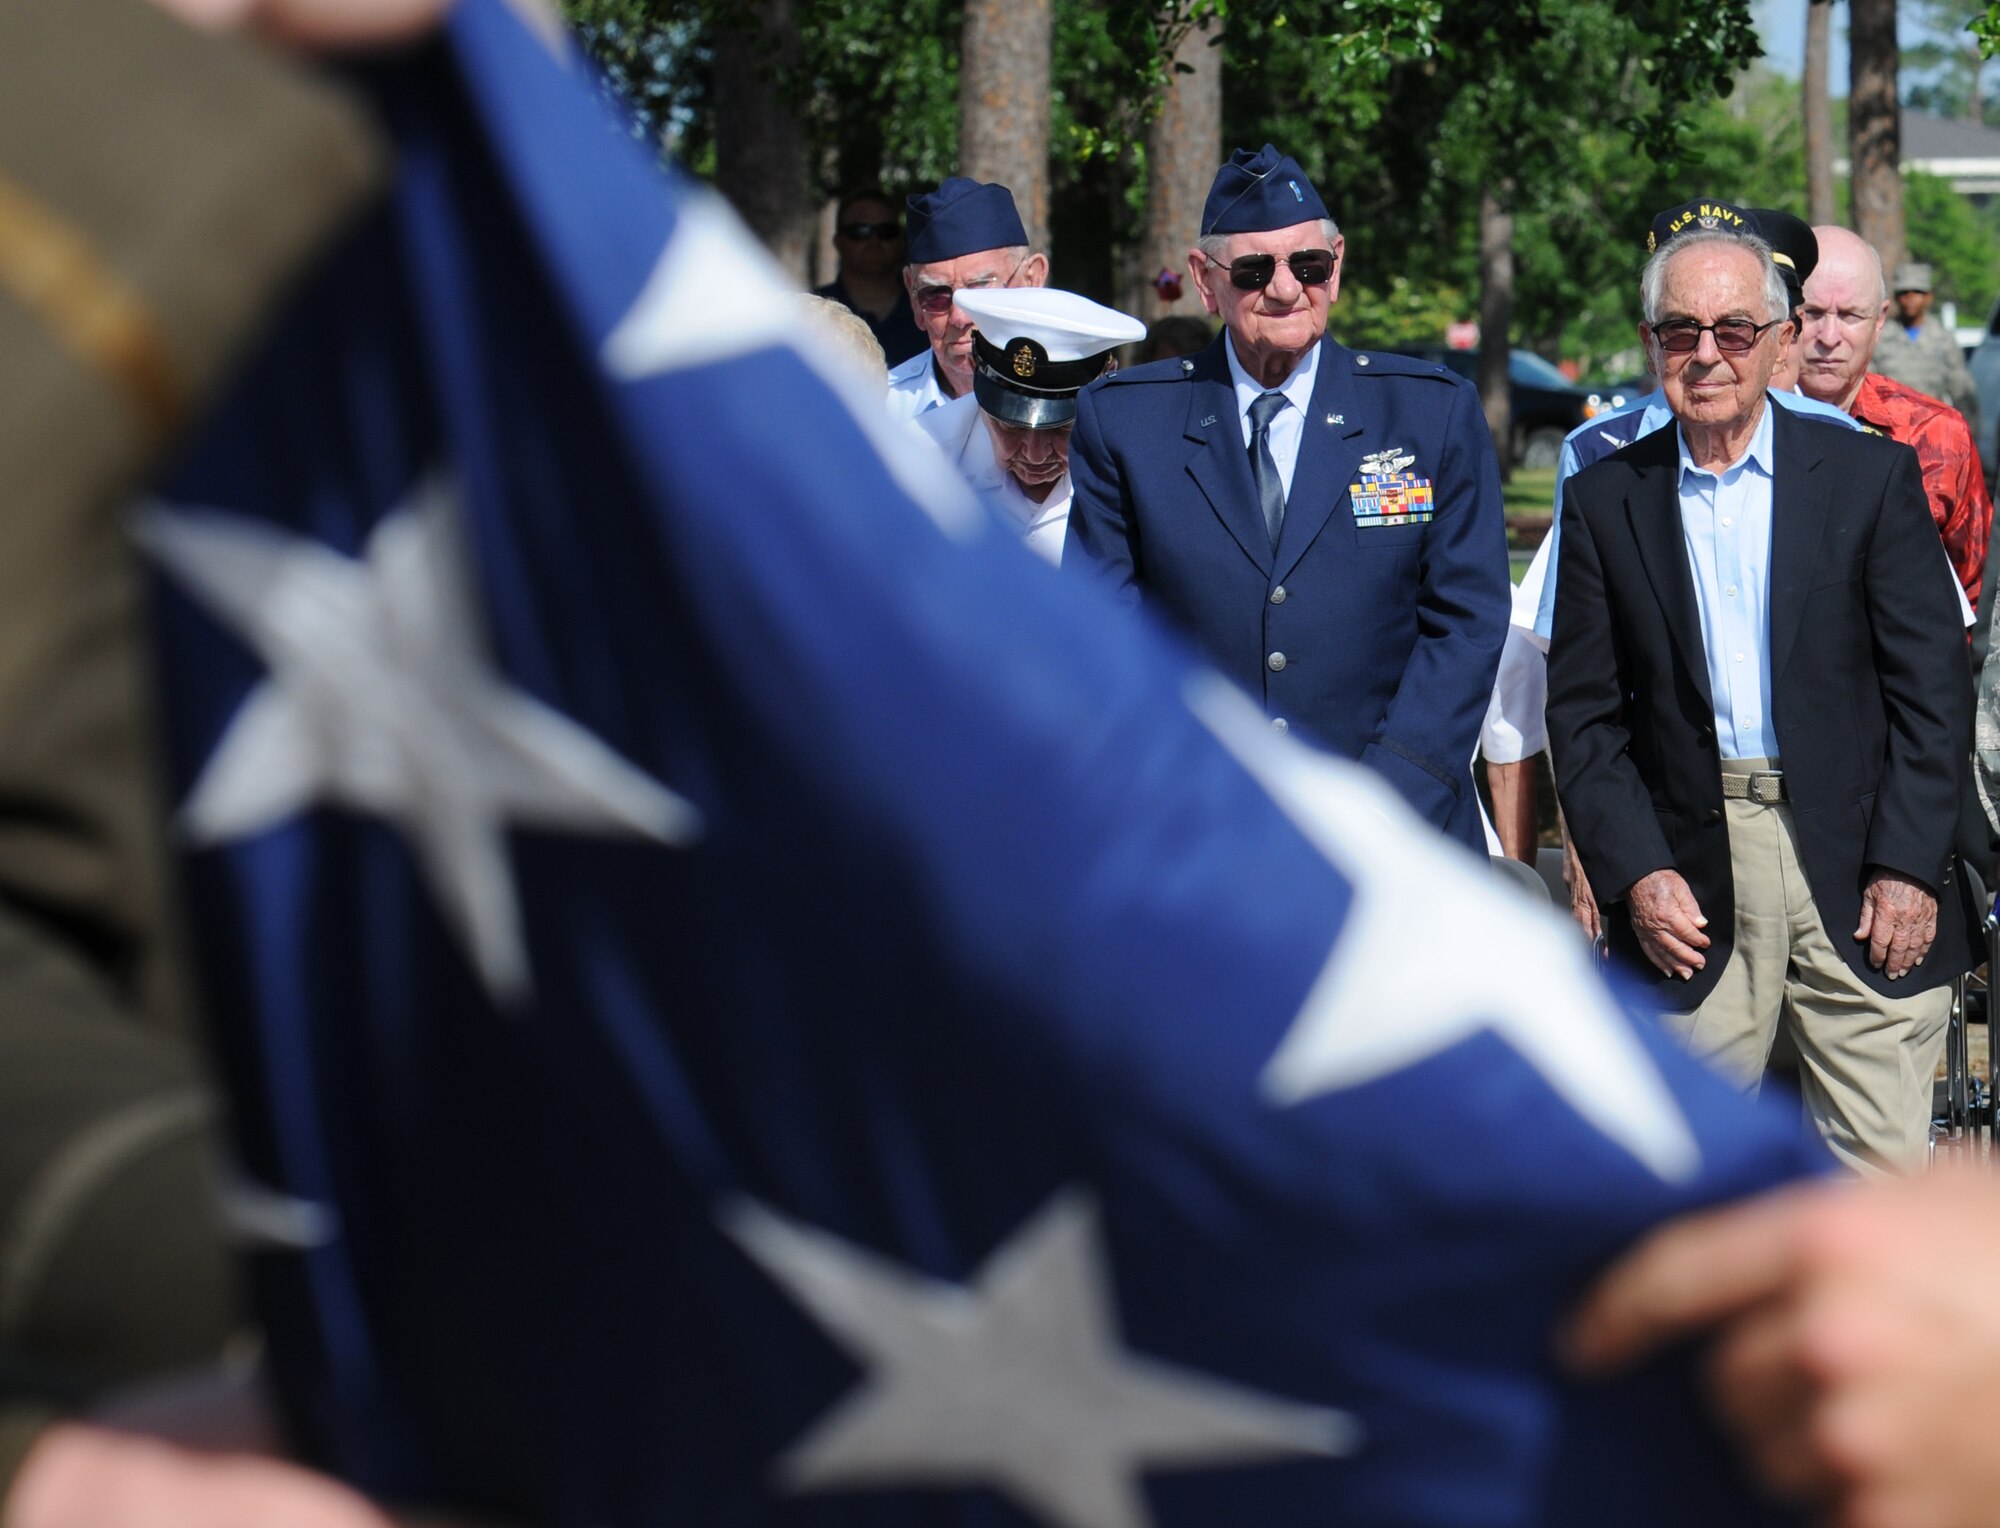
point(1255, 193)
point(961, 217)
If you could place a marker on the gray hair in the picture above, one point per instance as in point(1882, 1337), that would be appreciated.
point(842, 331)
point(1213, 244)
point(1653, 280)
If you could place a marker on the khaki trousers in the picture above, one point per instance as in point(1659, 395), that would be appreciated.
point(1866, 1062)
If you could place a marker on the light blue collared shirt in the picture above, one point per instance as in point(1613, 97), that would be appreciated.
point(1726, 526)
point(1655, 415)
point(1288, 425)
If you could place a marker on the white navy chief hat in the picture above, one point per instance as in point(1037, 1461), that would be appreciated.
point(1034, 348)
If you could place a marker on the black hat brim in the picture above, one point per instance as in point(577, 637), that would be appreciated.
point(1026, 411)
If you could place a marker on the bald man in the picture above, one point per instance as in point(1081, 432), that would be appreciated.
point(1846, 303)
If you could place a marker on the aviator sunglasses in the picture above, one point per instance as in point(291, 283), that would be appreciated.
point(1733, 336)
point(856, 232)
point(1310, 267)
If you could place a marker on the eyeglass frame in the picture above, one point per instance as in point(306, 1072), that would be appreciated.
point(1687, 325)
point(938, 300)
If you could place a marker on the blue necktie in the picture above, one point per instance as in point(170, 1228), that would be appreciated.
point(1263, 467)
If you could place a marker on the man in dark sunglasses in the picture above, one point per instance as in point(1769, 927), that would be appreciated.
point(868, 238)
point(964, 236)
point(1325, 523)
point(1759, 715)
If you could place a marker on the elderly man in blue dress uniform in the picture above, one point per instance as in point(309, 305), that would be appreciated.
point(1325, 523)
point(963, 237)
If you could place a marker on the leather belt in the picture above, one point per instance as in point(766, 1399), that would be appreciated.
point(1766, 787)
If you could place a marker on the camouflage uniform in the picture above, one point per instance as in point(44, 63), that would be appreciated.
point(156, 187)
point(1931, 363)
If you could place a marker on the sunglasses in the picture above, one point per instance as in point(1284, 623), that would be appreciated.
point(936, 300)
point(1733, 336)
point(856, 232)
point(1310, 267)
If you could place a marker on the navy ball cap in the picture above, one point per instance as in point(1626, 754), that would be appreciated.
point(1257, 192)
point(962, 217)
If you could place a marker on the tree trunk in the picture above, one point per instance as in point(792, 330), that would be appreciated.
point(1183, 147)
point(1496, 317)
point(1003, 103)
point(760, 147)
point(1819, 114)
point(1874, 127)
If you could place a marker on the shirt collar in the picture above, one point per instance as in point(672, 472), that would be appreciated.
point(1869, 405)
point(1297, 388)
point(1757, 454)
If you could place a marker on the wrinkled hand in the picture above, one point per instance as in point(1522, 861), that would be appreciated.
point(1582, 901)
point(1669, 923)
point(80, 1475)
point(1898, 922)
point(1856, 1352)
point(314, 23)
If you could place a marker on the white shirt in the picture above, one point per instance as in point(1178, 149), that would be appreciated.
point(1288, 425)
point(914, 389)
point(957, 431)
point(1726, 526)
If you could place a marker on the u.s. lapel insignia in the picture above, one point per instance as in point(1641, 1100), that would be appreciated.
point(1389, 493)
point(1336, 419)
point(1208, 421)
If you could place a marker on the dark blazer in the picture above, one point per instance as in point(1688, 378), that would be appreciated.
point(1378, 642)
point(1871, 697)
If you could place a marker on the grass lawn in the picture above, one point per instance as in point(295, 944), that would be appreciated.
point(1529, 498)
point(1531, 492)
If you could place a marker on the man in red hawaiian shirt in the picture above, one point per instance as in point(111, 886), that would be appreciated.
point(1846, 301)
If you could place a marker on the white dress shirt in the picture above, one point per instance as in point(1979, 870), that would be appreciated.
point(1726, 526)
point(1288, 425)
point(957, 430)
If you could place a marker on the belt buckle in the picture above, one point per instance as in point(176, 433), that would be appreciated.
point(1767, 787)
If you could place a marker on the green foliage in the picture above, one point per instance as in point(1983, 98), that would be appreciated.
point(1961, 246)
point(1986, 28)
point(1396, 311)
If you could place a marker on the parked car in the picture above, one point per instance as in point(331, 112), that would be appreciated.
point(1985, 364)
point(1546, 404)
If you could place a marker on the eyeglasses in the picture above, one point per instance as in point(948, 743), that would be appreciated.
point(1310, 267)
point(936, 300)
point(1733, 336)
point(856, 232)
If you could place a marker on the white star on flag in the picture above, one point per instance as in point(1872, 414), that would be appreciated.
point(1397, 989)
point(1015, 1381)
point(380, 701)
point(715, 294)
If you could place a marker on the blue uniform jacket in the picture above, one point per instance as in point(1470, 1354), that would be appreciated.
point(1377, 641)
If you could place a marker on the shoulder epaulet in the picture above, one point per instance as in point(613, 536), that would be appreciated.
point(1173, 369)
point(1386, 363)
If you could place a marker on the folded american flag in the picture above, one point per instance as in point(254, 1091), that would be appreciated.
point(748, 1000)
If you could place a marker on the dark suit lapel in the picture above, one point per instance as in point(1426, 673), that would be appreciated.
point(1219, 463)
point(1328, 458)
point(1798, 521)
point(1654, 508)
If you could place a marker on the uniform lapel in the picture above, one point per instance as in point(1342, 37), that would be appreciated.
point(1219, 463)
point(1328, 457)
point(1654, 509)
point(1798, 521)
